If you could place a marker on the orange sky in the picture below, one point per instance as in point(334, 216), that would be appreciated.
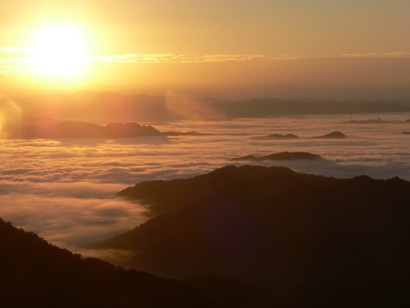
point(248, 48)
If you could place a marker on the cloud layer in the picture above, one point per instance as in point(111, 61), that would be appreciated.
point(65, 189)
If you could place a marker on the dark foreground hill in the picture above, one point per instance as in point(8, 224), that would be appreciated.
point(312, 240)
point(34, 273)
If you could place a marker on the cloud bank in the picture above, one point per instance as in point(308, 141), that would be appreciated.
point(65, 189)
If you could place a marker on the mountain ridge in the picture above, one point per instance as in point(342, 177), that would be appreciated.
point(115, 107)
point(307, 238)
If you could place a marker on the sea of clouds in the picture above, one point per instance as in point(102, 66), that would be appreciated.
point(65, 190)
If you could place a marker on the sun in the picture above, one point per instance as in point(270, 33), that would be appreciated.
point(59, 50)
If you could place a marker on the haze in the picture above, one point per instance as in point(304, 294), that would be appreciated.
point(329, 49)
point(256, 152)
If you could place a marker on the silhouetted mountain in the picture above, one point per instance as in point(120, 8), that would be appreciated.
point(102, 107)
point(262, 107)
point(332, 135)
point(34, 273)
point(313, 241)
point(278, 136)
point(50, 128)
point(372, 121)
point(281, 156)
point(99, 107)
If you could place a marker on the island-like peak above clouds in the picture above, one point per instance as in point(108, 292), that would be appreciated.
point(332, 135)
point(50, 128)
point(307, 238)
point(280, 156)
point(280, 136)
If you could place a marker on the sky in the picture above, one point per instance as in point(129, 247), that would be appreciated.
point(216, 48)
point(219, 47)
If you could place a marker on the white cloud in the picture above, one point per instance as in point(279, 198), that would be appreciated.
point(13, 60)
point(13, 50)
point(69, 221)
point(66, 190)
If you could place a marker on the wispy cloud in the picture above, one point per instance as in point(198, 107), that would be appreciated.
point(174, 58)
point(283, 57)
point(13, 60)
point(12, 50)
point(390, 54)
point(16, 59)
point(69, 220)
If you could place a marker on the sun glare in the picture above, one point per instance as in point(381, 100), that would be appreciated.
point(59, 51)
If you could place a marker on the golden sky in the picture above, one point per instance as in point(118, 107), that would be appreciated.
point(259, 46)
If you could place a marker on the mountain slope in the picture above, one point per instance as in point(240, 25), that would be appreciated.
point(34, 273)
point(37, 274)
point(309, 239)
